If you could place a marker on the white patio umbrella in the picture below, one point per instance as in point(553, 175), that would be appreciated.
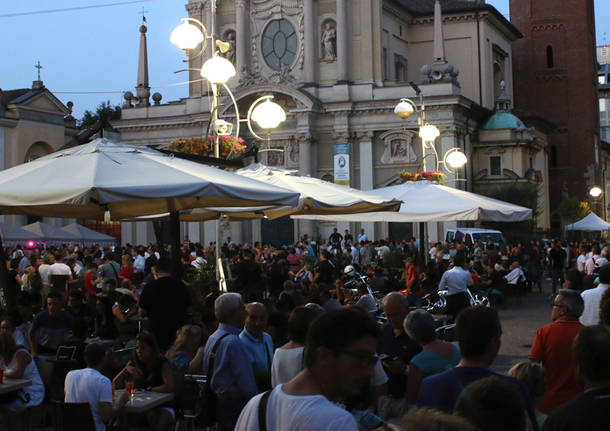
point(128, 181)
point(425, 201)
point(12, 235)
point(316, 196)
point(591, 222)
point(51, 235)
point(88, 236)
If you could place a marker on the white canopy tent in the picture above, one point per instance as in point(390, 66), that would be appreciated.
point(591, 222)
point(316, 197)
point(51, 235)
point(12, 235)
point(105, 179)
point(425, 201)
point(88, 237)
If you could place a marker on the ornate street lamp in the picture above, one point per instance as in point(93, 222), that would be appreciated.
point(217, 71)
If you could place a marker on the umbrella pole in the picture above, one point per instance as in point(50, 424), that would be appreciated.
point(174, 224)
point(422, 246)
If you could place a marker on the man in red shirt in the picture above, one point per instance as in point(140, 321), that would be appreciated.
point(553, 347)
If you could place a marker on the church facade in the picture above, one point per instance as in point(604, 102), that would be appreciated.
point(33, 123)
point(338, 68)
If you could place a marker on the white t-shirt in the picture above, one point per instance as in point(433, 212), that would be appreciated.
point(44, 274)
point(287, 363)
point(580, 262)
point(59, 269)
point(296, 413)
point(89, 386)
point(380, 377)
point(592, 299)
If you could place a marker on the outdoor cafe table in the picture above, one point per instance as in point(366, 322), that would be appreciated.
point(143, 401)
point(9, 385)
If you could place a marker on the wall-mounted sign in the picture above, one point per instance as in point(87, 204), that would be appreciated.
point(342, 165)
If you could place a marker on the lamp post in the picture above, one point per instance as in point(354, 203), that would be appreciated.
point(453, 159)
point(217, 70)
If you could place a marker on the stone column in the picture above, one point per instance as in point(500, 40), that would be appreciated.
point(342, 41)
point(305, 168)
point(367, 176)
point(242, 36)
point(196, 10)
point(310, 42)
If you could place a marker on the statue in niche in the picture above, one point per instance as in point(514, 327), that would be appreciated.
point(230, 39)
point(399, 150)
point(329, 42)
point(293, 153)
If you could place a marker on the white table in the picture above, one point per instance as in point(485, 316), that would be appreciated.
point(143, 401)
point(9, 385)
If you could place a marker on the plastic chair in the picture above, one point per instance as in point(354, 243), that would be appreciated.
point(73, 417)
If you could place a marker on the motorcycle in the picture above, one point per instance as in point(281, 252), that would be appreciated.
point(436, 302)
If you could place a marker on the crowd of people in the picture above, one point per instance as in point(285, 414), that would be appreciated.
point(302, 341)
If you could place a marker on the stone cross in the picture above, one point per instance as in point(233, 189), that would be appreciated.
point(38, 66)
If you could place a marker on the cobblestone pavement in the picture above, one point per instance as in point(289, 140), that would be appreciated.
point(520, 321)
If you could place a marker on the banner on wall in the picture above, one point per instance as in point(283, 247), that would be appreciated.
point(342, 165)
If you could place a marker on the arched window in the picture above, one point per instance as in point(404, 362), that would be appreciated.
point(550, 63)
point(498, 79)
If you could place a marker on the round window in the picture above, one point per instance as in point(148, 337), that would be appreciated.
point(279, 43)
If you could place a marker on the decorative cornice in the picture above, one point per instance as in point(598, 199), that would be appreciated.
point(342, 136)
point(548, 27)
point(365, 135)
point(469, 16)
point(195, 9)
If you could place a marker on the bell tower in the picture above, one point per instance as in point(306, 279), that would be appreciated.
point(555, 76)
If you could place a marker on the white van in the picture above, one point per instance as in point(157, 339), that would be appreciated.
point(471, 234)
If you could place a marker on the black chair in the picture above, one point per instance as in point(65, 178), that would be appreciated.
point(73, 417)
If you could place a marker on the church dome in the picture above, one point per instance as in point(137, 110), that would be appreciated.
point(502, 117)
point(504, 120)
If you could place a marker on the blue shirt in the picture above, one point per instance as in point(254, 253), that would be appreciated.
point(259, 352)
point(232, 370)
point(441, 391)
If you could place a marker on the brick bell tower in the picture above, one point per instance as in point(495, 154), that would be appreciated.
point(555, 76)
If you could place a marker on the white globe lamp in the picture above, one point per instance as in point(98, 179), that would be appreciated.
point(404, 109)
point(186, 36)
point(456, 159)
point(595, 192)
point(428, 133)
point(218, 70)
point(268, 115)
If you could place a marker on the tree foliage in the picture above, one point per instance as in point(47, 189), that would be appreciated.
point(522, 194)
point(571, 209)
point(101, 118)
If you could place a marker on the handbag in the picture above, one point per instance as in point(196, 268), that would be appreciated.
point(208, 411)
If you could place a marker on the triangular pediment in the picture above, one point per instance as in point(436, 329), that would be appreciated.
point(45, 101)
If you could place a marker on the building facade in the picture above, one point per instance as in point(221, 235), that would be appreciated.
point(555, 63)
point(33, 123)
point(338, 68)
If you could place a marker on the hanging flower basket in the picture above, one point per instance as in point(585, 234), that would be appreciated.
point(437, 176)
point(228, 145)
